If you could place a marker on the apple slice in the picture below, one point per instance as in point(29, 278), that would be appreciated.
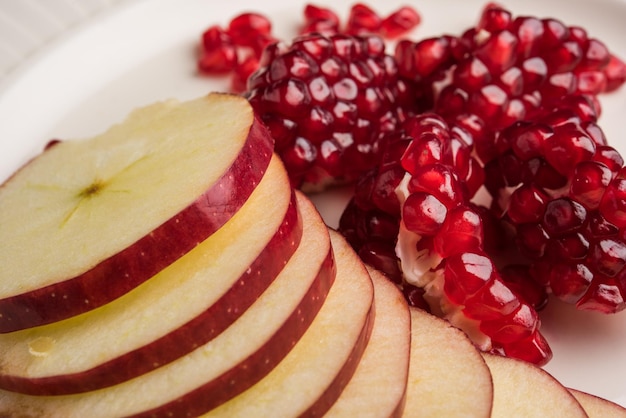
point(378, 386)
point(312, 376)
point(597, 407)
point(524, 390)
point(234, 360)
point(186, 304)
point(447, 374)
point(87, 221)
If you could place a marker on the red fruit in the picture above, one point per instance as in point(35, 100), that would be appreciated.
point(242, 72)
point(423, 213)
point(319, 20)
point(494, 19)
point(340, 95)
point(570, 232)
point(362, 20)
point(508, 69)
point(246, 27)
point(218, 53)
point(440, 241)
point(399, 22)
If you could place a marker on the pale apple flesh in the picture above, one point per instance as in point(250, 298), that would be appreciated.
point(112, 343)
point(227, 365)
point(522, 389)
point(378, 386)
point(597, 407)
point(447, 374)
point(312, 376)
point(169, 177)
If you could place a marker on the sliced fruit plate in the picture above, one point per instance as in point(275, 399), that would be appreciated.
point(452, 287)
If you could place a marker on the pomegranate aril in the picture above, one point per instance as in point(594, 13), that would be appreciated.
point(543, 174)
point(519, 279)
point(362, 20)
point(615, 72)
point(382, 257)
point(533, 349)
point(534, 73)
point(564, 58)
point(532, 239)
point(415, 297)
point(570, 247)
point(569, 282)
point(423, 213)
point(554, 33)
point(526, 140)
point(246, 27)
point(608, 256)
point(462, 231)
point(590, 82)
point(613, 203)
point(494, 18)
point(603, 296)
point(399, 22)
point(218, 53)
point(465, 274)
point(494, 300)
point(439, 180)
point(498, 52)
point(422, 59)
point(471, 74)
point(313, 12)
point(516, 326)
point(242, 72)
point(589, 181)
point(527, 204)
point(529, 31)
point(562, 216)
point(566, 148)
point(423, 151)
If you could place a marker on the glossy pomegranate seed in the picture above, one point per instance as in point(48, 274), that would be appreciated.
point(423, 213)
point(319, 20)
point(218, 53)
point(615, 72)
point(246, 27)
point(242, 72)
point(519, 278)
point(400, 22)
point(533, 349)
point(613, 202)
point(589, 180)
point(494, 19)
point(362, 20)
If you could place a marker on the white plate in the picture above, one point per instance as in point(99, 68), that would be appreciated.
point(144, 51)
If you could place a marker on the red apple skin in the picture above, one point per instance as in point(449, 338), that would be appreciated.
point(198, 331)
point(118, 274)
point(332, 393)
point(261, 362)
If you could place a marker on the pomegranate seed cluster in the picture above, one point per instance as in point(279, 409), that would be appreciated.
point(566, 206)
point(421, 192)
point(506, 69)
point(508, 107)
point(328, 101)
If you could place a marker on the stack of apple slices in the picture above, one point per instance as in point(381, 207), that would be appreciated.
point(167, 268)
